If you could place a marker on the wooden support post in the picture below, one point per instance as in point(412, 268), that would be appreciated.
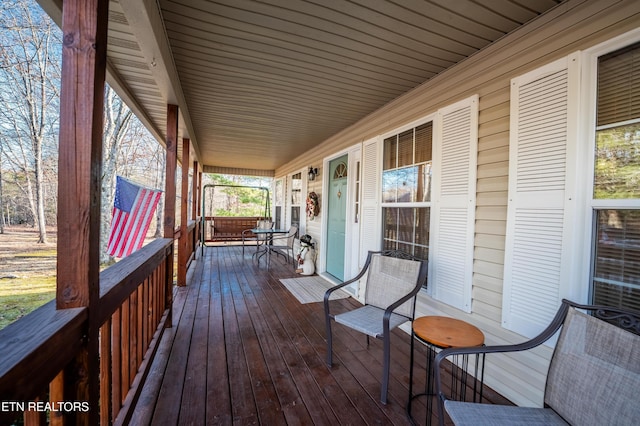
point(183, 246)
point(84, 51)
point(170, 199)
point(195, 190)
point(199, 193)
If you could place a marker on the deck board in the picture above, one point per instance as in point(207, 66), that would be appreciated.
point(243, 350)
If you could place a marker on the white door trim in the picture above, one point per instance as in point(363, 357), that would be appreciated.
point(349, 229)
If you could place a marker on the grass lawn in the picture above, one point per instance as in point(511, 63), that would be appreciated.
point(31, 284)
point(19, 296)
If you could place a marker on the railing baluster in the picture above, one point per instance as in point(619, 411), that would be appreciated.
point(35, 418)
point(56, 393)
point(144, 326)
point(140, 343)
point(126, 344)
point(116, 362)
point(151, 307)
point(133, 336)
point(105, 373)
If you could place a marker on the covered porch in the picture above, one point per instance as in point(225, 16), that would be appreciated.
point(248, 88)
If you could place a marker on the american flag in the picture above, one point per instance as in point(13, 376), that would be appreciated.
point(133, 209)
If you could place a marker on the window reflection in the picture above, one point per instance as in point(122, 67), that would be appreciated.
point(617, 165)
point(407, 185)
point(616, 275)
point(407, 229)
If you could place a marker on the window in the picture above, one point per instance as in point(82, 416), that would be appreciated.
point(616, 183)
point(427, 192)
point(296, 198)
point(278, 202)
point(406, 190)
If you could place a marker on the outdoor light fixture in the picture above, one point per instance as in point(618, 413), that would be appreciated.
point(313, 173)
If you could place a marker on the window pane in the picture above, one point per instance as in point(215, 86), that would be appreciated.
point(278, 218)
point(616, 276)
point(424, 135)
point(422, 226)
point(390, 223)
point(390, 152)
point(405, 148)
point(423, 183)
point(421, 252)
point(406, 248)
point(617, 165)
point(619, 86)
point(407, 184)
point(389, 186)
point(295, 216)
point(405, 224)
point(279, 194)
point(389, 245)
point(407, 229)
point(296, 189)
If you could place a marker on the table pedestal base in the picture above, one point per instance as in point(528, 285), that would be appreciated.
point(439, 333)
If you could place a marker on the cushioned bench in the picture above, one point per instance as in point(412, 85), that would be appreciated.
point(593, 378)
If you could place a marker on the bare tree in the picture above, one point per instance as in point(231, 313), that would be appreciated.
point(129, 151)
point(117, 121)
point(30, 76)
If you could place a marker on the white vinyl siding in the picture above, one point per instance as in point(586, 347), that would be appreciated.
point(541, 207)
point(370, 235)
point(453, 216)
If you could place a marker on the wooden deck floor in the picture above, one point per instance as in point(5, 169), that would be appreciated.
point(243, 350)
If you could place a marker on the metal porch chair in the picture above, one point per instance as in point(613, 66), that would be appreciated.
point(288, 240)
point(249, 237)
point(393, 280)
point(593, 377)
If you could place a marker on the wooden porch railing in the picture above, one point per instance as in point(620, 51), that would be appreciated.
point(133, 311)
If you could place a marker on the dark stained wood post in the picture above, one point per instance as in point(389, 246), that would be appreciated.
point(170, 198)
point(183, 255)
point(84, 48)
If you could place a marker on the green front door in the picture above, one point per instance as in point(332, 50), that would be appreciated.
point(336, 201)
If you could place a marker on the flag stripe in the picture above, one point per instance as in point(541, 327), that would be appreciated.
point(128, 229)
point(137, 236)
point(119, 219)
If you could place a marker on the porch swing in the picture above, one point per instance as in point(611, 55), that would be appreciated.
point(224, 229)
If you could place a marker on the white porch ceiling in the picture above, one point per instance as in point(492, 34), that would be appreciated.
point(260, 82)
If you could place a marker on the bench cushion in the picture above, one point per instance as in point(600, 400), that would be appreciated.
point(594, 376)
point(473, 414)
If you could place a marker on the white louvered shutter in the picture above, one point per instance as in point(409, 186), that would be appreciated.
point(370, 226)
point(453, 216)
point(540, 216)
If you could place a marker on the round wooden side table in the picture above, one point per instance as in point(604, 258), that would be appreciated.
point(439, 333)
